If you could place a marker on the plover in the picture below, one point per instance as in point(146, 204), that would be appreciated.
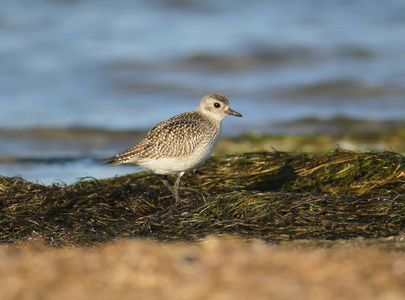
point(181, 143)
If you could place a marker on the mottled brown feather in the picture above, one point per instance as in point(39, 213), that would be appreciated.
point(178, 136)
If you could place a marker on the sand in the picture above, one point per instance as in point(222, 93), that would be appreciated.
point(215, 268)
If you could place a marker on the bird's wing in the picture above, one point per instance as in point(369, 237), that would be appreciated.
point(176, 137)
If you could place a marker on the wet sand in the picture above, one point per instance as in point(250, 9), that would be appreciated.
point(212, 269)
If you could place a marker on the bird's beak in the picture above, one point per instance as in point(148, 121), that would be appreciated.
point(231, 112)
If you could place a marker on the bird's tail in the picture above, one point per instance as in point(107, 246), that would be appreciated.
point(111, 160)
point(123, 158)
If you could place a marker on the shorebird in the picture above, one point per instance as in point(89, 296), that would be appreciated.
point(181, 143)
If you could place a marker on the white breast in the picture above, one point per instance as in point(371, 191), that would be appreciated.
point(172, 165)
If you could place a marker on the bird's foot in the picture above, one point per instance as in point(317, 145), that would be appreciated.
point(171, 187)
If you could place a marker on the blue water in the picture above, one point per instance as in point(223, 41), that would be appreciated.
point(126, 65)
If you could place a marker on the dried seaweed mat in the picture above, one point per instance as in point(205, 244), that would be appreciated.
point(272, 196)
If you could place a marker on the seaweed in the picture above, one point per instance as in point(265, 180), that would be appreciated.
point(273, 196)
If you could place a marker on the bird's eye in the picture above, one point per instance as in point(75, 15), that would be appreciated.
point(217, 105)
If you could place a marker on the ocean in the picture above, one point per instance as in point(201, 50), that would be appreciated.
point(77, 76)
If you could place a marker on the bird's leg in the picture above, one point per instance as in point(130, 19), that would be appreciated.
point(168, 183)
point(176, 186)
point(174, 189)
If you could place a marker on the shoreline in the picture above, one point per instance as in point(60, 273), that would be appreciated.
point(263, 225)
point(273, 196)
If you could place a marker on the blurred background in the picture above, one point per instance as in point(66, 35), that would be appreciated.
point(85, 79)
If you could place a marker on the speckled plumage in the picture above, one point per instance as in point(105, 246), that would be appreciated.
point(181, 143)
point(178, 137)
